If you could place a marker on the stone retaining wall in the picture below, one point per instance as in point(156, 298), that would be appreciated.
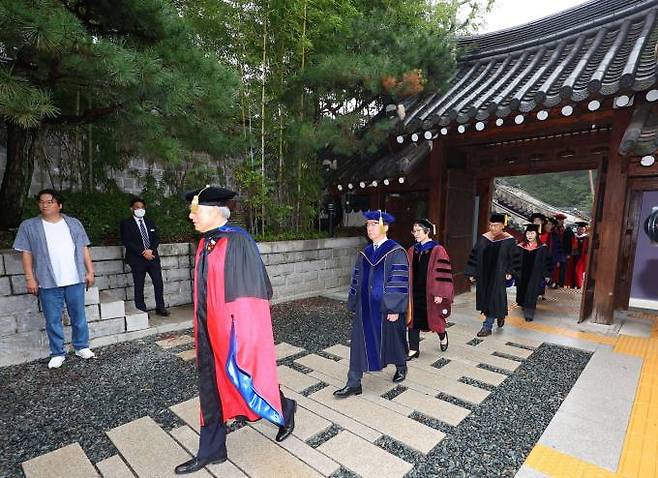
point(297, 269)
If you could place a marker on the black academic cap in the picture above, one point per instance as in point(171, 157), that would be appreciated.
point(497, 217)
point(536, 215)
point(581, 224)
point(532, 227)
point(210, 196)
point(426, 223)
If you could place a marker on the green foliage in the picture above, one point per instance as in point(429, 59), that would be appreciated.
point(564, 190)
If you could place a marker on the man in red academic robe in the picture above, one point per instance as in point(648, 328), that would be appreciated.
point(236, 360)
point(579, 254)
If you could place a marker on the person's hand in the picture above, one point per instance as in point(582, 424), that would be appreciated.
point(89, 279)
point(438, 300)
point(392, 317)
point(32, 286)
point(508, 276)
point(148, 255)
point(472, 279)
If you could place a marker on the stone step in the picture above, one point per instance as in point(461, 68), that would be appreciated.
point(111, 307)
point(259, 457)
point(135, 319)
point(187, 355)
point(189, 439)
point(309, 455)
point(433, 407)
point(92, 296)
point(172, 342)
point(69, 461)
point(149, 450)
point(284, 350)
point(399, 427)
point(188, 411)
point(348, 423)
point(114, 467)
point(295, 380)
point(350, 450)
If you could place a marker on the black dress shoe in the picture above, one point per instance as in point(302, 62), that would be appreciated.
point(484, 332)
point(195, 464)
point(286, 430)
point(347, 391)
point(400, 375)
point(413, 354)
point(443, 346)
point(162, 312)
point(500, 322)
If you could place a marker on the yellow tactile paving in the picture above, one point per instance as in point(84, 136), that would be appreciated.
point(639, 457)
point(549, 329)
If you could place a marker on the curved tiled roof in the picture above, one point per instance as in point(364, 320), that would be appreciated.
point(598, 49)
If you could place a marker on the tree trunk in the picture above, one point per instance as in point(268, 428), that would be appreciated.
point(262, 113)
point(298, 212)
point(18, 174)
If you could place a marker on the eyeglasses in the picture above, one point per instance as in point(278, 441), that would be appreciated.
point(414, 231)
point(49, 202)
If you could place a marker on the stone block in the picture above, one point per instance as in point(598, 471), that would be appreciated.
point(29, 322)
point(102, 328)
point(2, 266)
point(102, 282)
point(112, 295)
point(5, 286)
point(278, 281)
point(325, 254)
point(106, 253)
point(69, 461)
point(93, 312)
point(119, 280)
point(180, 274)
point(170, 262)
point(18, 303)
point(281, 270)
point(179, 249)
point(310, 265)
point(92, 296)
point(136, 320)
point(18, 285)
point(332, 283)
point(112, 309)
point(13, 263)
point(274, 259)
point(21, 347)
point(7, 325)
point(108, 267)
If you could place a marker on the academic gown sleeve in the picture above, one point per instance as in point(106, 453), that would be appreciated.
point(471, 269)
point(396, 283)
point(355, 285)
point(440, 277)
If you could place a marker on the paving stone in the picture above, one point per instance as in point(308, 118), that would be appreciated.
point(259, 457)
point(403, 429)
point(443, 384)
point(284, 350)
point(434, 407)
point(299, 448)
point(190, 441)
point(457, 369)
point(149, 450)
point(339, 419)
point(293, 379)
point(114, 467)
point(175, 341)
point(467, 352)
point(112, 309)
point(349, 450)
point(69, 461)
point(308, 424)
point(188, 411)
point(187, 355)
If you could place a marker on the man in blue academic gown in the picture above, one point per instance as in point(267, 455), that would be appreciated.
point(379, 297)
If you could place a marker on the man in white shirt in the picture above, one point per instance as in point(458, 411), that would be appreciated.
point(57, 266)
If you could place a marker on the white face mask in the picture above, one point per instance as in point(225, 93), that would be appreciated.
point(139, 213)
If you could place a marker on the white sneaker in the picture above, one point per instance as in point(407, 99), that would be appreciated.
point(85, 354)
point(56, 362)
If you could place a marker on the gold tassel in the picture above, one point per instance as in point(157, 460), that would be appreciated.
point(381, 223)
point(539, 229)
point(194, 206)
point(505, 222)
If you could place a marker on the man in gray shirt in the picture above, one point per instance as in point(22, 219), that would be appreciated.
point(57, 267)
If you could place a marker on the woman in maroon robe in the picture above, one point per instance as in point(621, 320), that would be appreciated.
point(432, 291)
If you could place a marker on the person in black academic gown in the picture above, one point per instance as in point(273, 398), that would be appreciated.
point(536, 268)
point(236, 360)
point(493, 261)
point(378, 296)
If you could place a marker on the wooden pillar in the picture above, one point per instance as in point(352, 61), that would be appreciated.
point(484, 188)
point(437, 173)
point(610, 228)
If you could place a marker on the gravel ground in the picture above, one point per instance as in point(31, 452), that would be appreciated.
point(44, 410)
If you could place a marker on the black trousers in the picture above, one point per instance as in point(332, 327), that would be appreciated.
point(212, 440)
point(153, 269)
point(414, 339)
